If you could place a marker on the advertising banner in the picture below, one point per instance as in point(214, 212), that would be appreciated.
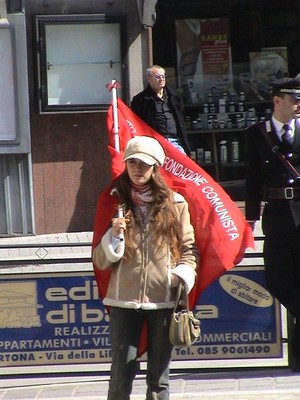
point(215, 48)
point(57, 319)
point(204, 58)
point(239, 318)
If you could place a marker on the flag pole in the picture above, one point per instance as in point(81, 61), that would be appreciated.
point(115, 115)
point(113, 88)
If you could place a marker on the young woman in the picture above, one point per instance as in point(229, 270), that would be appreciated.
point(157, 251)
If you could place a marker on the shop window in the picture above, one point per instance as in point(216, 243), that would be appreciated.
point(8, 129)
point(77, 56)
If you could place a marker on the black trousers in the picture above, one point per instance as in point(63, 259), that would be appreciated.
point(125, 331)
point(282, 271)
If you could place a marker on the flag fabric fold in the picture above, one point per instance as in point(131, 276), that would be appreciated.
point(221, 231)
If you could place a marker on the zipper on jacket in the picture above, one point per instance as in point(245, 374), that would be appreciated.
point(144, 269)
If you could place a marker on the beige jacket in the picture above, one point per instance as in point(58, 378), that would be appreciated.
point(145, 280)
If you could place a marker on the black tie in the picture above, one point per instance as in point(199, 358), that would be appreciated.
point(287, 138)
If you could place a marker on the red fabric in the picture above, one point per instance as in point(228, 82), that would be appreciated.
point(221, 231)
point(105, 210)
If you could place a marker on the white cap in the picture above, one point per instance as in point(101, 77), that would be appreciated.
point(146, 149)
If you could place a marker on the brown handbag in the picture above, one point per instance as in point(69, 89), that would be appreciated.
point(184, 327)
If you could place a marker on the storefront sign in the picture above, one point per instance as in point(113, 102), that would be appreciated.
point(51, 319)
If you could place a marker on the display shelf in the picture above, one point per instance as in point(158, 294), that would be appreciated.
point(207, 143)
point(221, 136)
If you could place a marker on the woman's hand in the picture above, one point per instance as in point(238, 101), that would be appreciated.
point(118, 226)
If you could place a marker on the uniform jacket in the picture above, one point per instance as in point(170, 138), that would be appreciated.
point(143, 104)
point(144, 281)
point(265, 170)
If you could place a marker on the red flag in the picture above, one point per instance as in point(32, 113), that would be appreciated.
point(221, 231)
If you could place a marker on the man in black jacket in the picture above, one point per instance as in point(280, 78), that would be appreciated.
point(161, 108)
point(270, 180)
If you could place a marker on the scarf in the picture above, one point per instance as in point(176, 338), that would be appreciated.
point(141, 194)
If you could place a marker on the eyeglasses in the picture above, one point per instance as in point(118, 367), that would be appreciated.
point(162, 77)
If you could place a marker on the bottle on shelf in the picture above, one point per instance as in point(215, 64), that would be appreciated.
point(207, 157)
point(188, 122)
point(200, 155)
point(223, 151)
point(235, 151)
point(242, 96)
point(231, 106)
point(240, 106)
point(209, 98)
point(194, 124)
point(210, 122)
point(199, 120)
point(212, 108)
point(222, 106)
point(193, 155)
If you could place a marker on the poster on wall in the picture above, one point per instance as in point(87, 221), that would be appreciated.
point(239, 318)
point(204, 58)
point(57, 319)
point(266, 66)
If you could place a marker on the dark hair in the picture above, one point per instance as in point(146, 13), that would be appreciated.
point(278, 93)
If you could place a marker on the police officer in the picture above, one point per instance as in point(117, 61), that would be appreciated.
point(270, 180)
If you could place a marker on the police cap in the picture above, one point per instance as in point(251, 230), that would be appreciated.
point(289, 86)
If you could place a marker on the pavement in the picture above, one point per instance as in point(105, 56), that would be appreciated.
point(253, 382)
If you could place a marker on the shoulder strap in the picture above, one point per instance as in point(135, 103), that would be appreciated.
point(182, 287)
point(265, 129)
